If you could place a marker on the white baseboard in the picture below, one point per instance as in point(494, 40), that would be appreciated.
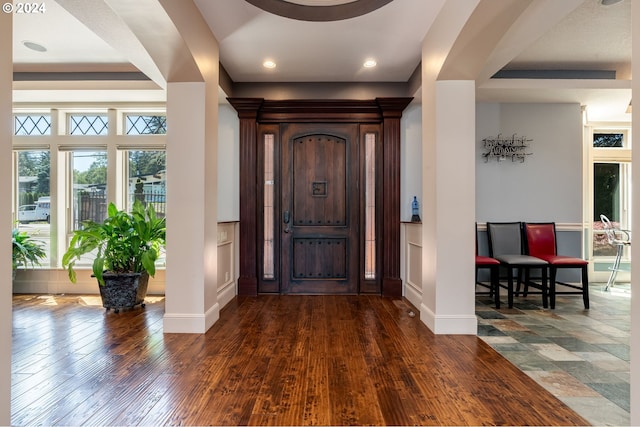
point(187, 323)
point(412, 295)
point(449, 324)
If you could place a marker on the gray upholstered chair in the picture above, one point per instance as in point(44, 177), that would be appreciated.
point(506, 245)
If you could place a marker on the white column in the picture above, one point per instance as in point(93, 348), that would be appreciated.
point(191, 275)
point(635, 221)
point(448, 191)
point(6, 127)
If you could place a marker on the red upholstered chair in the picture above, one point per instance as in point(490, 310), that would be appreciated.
point(541, 243)
point(493, 265)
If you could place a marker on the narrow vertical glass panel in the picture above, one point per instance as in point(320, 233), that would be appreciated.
point(147, 182)
point(89, 187)
point(370, 206)
point(147, 179)
point(606, 201)
point(269, 223)
point(34, 210)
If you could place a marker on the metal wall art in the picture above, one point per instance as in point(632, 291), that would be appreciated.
point(501, 149)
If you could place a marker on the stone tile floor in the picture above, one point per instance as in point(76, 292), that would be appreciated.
point(581, 356)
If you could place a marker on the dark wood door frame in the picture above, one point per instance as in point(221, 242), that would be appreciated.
point(385, 111)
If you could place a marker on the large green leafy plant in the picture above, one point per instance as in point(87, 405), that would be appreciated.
point(123, 243)
point(26, 251)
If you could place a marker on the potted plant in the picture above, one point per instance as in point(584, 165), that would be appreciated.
point(126, 247)
point(25, 250)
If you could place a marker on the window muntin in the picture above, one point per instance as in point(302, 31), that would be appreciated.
point(31, 124)
point(145, 124)
point(88, 124)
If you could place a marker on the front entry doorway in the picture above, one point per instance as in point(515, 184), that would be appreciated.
point(319, 209)
point(320, 196)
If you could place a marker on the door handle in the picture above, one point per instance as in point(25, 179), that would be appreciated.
point(286, 218)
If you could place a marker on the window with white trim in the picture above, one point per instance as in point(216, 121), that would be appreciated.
point(78, 160)
point(610, 177)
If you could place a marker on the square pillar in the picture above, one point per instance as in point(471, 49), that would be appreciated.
point(448, 223)
point(191, 276)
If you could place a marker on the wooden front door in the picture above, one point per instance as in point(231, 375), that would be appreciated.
point(319, 208)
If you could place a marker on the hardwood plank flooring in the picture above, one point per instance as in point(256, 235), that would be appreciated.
point(270, 360)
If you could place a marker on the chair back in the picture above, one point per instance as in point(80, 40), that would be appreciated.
point(505, 238)
point(615, 236)
point(540, 238)
point(608, 229)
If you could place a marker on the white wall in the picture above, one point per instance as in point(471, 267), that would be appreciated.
point(548, 185)
point(410, 159)
point(228, 164)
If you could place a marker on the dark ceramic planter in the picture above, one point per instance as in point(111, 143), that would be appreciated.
point(125, 290)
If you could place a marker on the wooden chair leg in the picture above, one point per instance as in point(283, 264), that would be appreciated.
point(495, 284)
point(510, 287)
point(585, 287)
point(525, 289)
point(552, 287)
point(544, 286)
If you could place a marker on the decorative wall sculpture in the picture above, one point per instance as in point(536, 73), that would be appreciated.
point(501, 149)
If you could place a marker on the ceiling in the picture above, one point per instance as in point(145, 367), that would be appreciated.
point(590, 37)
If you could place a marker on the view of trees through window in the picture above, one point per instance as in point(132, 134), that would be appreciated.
point(34, 202)
point(89, 187)
point(33, 172)
point(84, 170)
point(147, 178)
point(608, 140)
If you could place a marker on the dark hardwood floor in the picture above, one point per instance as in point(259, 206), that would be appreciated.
point(291, 360)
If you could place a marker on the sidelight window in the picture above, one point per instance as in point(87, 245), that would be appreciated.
point(269, 221)
point(370, 207)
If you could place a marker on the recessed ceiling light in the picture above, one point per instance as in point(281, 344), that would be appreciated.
point(609, 2)
point(269, 64)
point(370, 63)
point(34, 46)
